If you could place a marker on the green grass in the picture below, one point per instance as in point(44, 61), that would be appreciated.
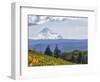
point(38, 59)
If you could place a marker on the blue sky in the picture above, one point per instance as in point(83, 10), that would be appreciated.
point(68, 27)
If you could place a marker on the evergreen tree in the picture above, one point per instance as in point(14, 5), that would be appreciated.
point(73, 58)
point(79, 59)
point(48, 51)
point(56, 52)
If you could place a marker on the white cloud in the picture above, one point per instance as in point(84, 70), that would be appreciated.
point(32, 19)
point(44, 19)
point(58, 18)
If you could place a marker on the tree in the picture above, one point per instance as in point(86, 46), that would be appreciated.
point(76, 56)
point(66, 56)
point(79, 59)
point(48, 51)
point(57, 52)
point(85, 57)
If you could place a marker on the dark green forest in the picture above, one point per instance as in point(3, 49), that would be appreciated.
point(76, 56)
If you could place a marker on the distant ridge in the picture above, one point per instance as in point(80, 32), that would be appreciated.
point(63, 44)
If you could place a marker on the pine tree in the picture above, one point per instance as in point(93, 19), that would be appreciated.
point(79, 59)
point(56, 52)
point(48, 51)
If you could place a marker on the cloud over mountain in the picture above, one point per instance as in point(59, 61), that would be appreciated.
point(70, 27)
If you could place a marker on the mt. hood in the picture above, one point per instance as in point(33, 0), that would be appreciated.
point(46, 33)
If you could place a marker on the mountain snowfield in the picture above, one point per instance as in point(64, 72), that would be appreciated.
point(47, 33)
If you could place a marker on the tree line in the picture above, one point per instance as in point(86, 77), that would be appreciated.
point(75, 56)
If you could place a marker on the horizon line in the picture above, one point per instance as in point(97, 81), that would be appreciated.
point(59, 39)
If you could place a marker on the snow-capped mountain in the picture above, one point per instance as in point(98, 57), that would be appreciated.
point(46, 33)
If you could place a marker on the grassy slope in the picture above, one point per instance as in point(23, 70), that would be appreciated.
point(37, 59)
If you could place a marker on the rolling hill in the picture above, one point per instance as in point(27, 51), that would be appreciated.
point(38, 59)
